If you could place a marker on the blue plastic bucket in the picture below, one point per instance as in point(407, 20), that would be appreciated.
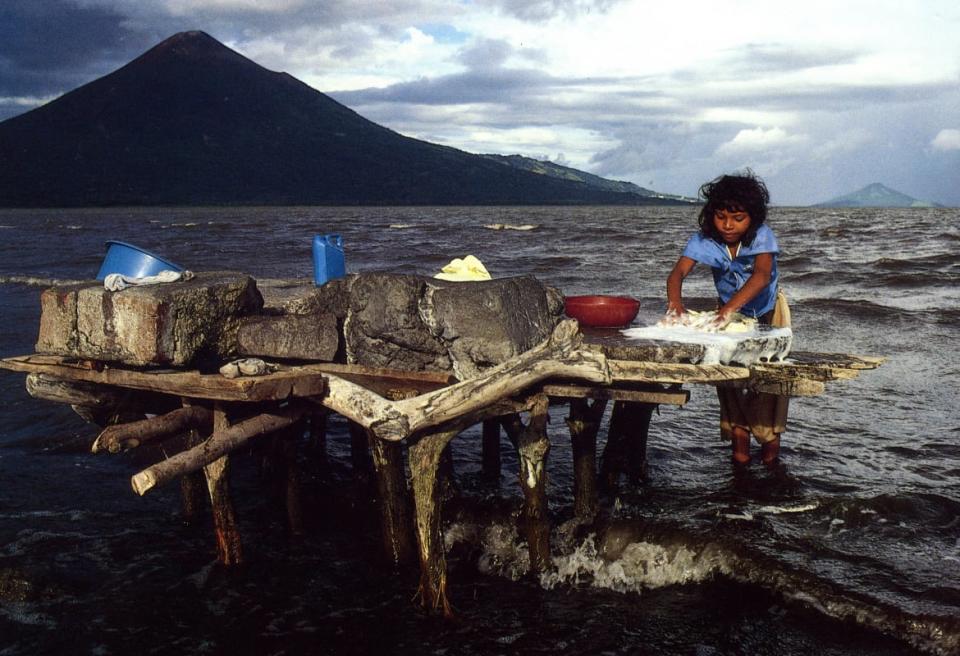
point(328, 261)
point(132, 261)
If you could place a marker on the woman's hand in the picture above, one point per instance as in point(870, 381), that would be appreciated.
point(724, 316)
point(674, 315)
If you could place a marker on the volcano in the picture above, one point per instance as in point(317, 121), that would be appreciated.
point(192, 122)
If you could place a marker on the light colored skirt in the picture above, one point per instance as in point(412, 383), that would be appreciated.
point(764, 415)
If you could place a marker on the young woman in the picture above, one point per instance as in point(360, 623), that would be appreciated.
point(741, 250)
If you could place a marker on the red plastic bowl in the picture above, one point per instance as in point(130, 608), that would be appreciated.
point(601, 311)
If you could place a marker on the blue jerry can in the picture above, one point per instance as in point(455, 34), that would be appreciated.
point(328, 262)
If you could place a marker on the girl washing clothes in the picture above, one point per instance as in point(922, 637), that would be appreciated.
point(741, 250)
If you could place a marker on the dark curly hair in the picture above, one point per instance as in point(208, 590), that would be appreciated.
point(743, 192)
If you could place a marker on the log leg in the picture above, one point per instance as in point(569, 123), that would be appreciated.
point(613, 462)
point(584, 423)
point(360, 455)
point(191, 486)
point(394, 499)
point(532, 448)
point(448, 486)
point(218, 486)
point(491, 450)
point(637, 431)
point(318, 439)
point(424, 465)
point(289, 440)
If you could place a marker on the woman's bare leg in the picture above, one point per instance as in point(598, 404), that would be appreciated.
point(770, 451)
point(741, 445)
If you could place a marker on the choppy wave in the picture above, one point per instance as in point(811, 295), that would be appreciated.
point(34, 281)
point(630, 557)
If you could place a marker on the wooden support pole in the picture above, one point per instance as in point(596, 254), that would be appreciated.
point(396, 521)
point(638, 430)
point(229, 551)
point(318, 438)
point(131, 435)
point(532, 448)
point(223, 440)
point(424, 465)
point(584, 423)
point(192, 485)
point(292, 475)
point(491, 450)
point(362, 465)
point(613, 461)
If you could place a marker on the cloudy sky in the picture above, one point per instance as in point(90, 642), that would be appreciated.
point(818, 97)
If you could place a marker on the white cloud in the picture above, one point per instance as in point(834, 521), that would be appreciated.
point(759, 140)
point(948, 139)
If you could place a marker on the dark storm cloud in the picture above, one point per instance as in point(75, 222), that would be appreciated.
point(821, 97)
point(508, 87)
point(48, 47)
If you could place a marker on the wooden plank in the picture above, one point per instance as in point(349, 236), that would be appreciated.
point(662, 372)
point(292, 381)
point(800, 387)
point(835, 360)
point(661, 397)
point(785, 371)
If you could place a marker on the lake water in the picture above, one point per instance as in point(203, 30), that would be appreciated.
point(850, 545)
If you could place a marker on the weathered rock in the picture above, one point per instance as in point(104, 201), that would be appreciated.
point(172, 324)
point(485, 323)
point(285, 296)
point(300, 337)
point(383, 327)
point(301, 296)
point(58, 319)
point(418, 323)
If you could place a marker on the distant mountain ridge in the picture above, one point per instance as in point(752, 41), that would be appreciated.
point(565, 172)
point(192, 122)
point(876, 195)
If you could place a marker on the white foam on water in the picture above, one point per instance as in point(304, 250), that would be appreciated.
point(777, 510)
point(641, 565)
point(21, 613)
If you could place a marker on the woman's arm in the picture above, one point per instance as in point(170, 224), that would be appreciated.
point(683, 267)
point(758, 280)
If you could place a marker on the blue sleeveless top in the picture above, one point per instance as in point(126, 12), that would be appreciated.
point(730, 274)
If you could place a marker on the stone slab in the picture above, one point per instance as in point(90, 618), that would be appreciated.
point(174, 324)
point(295, 337)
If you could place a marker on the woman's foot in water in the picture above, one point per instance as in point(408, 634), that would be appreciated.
point(770, 451)
point(741, 446)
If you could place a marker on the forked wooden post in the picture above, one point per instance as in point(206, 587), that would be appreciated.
point(532, 449)
point(584, 423)
point(425, 456)
point(229, 551)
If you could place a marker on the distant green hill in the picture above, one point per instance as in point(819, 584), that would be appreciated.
point(876, 195)
point(566, 173)
point(192, 122)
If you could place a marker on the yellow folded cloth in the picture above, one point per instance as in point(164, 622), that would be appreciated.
point(469, 268)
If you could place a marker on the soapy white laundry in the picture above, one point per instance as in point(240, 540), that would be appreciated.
point(114, 282)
